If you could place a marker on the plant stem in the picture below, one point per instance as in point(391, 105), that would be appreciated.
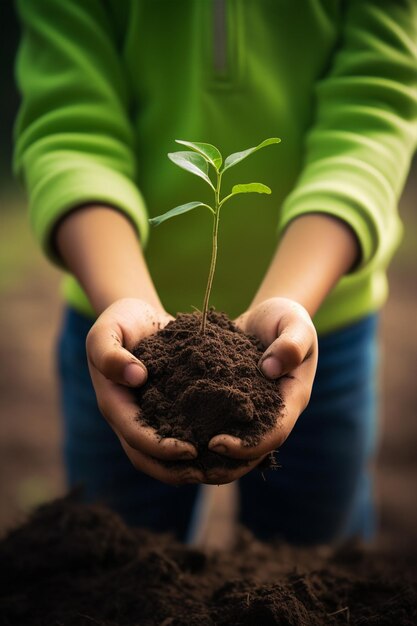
point(213, 254)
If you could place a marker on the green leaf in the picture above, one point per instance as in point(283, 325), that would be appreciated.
point(183, 208)
point(209, 152)
point(246, 188)
point(236, 157)
point(250, 188)
point(192, 162)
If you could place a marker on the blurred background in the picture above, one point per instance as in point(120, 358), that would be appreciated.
point(30, 428)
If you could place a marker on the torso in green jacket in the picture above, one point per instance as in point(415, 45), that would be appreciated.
point(232, 73)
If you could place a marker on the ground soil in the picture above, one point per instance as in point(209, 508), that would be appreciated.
point(200, 385)
point(74, 565)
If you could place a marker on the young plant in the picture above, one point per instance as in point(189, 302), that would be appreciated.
point(197, 161)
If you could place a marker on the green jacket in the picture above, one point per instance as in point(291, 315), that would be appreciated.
point(108, 85)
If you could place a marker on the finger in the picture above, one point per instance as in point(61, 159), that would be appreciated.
point(295, 391)
point(234, 447)
point(119, 409)
point(106, 354)
point(222, 476)
point(295, 343)
point(171, 476)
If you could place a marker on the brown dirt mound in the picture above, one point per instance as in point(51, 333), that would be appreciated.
point(77, 565)
point(204, 385)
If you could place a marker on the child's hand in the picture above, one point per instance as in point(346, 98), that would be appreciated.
point(114, 369)
point(286, 330)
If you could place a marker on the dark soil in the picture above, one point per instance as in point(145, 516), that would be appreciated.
point(200, 386)
point(78, 565)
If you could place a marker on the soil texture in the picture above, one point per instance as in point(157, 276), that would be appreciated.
point(78, 565)
point(200, 386)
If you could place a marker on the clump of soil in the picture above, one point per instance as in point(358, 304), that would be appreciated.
point(78, 565)
point(200, 386)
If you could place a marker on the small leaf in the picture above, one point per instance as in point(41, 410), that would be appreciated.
point(209, 152)
point(250, 188)
point(192, 162)
point(196, 159)
point(183, 208)
point(246, 188)
point(236, 157)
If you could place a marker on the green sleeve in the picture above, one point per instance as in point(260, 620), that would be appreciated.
point(74, 140)
point(359, 148)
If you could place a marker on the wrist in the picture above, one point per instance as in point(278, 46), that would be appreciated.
point(315, 252)
point(102, 300)
point(100, 247)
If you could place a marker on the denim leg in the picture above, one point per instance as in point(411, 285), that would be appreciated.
point(323, 490)
point(93, 455)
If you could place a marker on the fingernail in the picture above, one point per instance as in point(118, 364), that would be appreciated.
point(271, 367)
point(134, 374)
point(220, 449)
point(186, 456)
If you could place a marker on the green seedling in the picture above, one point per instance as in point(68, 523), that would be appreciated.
point(197, 161)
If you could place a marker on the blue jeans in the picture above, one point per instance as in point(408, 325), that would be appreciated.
point(323, 489)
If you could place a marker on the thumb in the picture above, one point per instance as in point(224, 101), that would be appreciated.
point(292, 346)
point(105, 353)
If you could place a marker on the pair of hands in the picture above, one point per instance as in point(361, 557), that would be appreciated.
point(283, 326)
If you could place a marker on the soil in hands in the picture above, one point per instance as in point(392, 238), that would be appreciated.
point(78, 565)
point(200, 386)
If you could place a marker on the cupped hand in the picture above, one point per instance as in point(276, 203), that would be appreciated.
point(115, 371)
point(285, 329)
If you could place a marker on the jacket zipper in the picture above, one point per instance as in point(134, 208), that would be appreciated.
point(220, 61)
